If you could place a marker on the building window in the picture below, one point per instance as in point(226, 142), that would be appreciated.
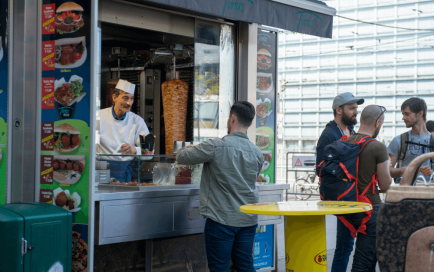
point(308, 146)
point(292, 145)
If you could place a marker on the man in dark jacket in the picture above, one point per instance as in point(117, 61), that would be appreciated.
point(345, 117)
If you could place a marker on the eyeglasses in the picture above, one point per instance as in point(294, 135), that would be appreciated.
point(383, 110)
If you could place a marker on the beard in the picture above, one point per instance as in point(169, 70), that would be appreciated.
point(377, 131)
point(410, 125)
point(348, 120)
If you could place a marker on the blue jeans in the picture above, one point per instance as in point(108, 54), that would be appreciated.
point(120, 170)
point(224, 242)
point(344, 247)
point(365, 258)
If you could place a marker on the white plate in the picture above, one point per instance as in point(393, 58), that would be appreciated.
point(74, 65)
point(266, 91)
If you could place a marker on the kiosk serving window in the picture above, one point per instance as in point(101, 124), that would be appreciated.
point(214, 78)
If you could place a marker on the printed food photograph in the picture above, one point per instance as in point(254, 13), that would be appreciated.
point(67, 94)
point(68, 169)
point(66, 138)
point(79, 248)
point(70, 52)
point(267, 159)
point(263, 179)
point(262, 139)
point(264, 59)
point(66, 200)
point(263, 110)
point(264, 82)
point(69, 18)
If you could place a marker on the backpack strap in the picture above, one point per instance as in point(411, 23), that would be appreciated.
point(431, 148)
point(403, 149)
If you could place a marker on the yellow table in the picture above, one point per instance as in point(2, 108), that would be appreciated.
point(305, 235)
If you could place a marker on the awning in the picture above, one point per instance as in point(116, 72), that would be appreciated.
point(303, 16)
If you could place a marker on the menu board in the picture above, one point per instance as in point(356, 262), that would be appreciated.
point(266, 102)
point(3, 96)
point(65, 114)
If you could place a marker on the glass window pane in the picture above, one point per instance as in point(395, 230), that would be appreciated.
point(325, 104)
point(406, 10)
point(309, 91)
point(405, 87)
point(386, 102)
point(327, 89)
point(324, 118)
point(425, 70)
point(292, 118)
point(292, 145)
point(308, 132)
point(308, 118)
point(309, 104)
point(385, 87)
point(292, 105)
point(214, 78)
point(308, 146)
point(424, 86)
point(365, 89)
point(291, 132)
point(405, 56)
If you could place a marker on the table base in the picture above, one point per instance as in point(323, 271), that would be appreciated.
point(305, 243)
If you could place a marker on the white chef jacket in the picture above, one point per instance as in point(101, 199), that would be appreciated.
point(113, 133)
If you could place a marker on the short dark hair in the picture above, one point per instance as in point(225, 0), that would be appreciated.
point(334, 113)
point(430, 126)
point(416, 105)
point(244, 111)
point(118, 92)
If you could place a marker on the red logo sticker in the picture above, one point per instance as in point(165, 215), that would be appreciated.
point(321, 258)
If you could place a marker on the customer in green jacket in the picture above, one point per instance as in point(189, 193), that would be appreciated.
point(231, 166)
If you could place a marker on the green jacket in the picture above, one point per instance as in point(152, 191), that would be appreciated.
point(231, 166)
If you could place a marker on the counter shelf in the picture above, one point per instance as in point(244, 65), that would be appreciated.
point(158, 171)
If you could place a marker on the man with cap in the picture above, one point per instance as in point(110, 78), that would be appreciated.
point(345, 117)
point(120, 132)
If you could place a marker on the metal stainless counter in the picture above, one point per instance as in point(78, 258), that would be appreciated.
point(129, 214)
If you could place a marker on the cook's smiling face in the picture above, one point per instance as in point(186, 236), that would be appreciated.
point(124, 101)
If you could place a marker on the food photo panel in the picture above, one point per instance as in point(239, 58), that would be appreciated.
point(70, 52)
point(68, 169)
point(67, 95)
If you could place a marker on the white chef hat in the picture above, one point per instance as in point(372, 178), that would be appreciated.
point(126, 86)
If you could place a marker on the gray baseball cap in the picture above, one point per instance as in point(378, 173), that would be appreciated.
point(345, 99)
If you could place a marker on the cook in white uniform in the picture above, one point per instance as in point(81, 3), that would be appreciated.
point(120, 131)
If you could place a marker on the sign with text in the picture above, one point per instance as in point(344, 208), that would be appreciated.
point(46, 169)
point(47, 93)
point(48, 48)
point(303, 162)
point(47, 135)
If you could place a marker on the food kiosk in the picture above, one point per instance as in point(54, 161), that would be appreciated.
point(61, 60)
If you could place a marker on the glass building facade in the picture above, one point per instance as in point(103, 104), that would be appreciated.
point(384, 65)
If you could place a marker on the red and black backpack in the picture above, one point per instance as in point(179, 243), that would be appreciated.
point(338, 177)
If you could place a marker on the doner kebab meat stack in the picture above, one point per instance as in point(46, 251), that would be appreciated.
point(175, 96)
